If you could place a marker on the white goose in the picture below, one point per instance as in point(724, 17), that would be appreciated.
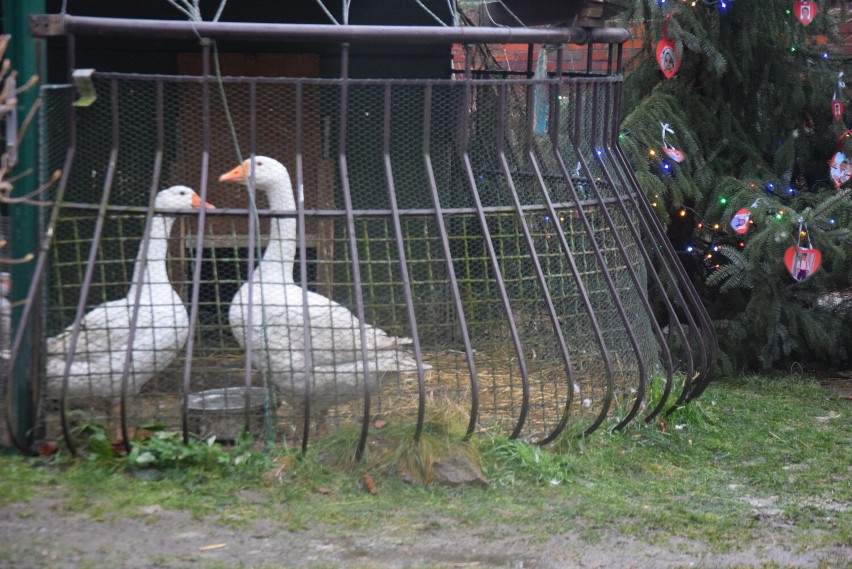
point(278, 321)
point(162, 323)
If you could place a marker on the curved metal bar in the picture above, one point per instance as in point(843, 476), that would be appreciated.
point(643, 296)
point(303, 273)
point(707, 350)
point(640, 286)
point(675, 323)
point(625, 176)
point(403, 265)
point(199, 243)
point(61, 24)
point(575, 271)
point(90, 269)
point(353, 247)
point(539, 272)
point(448, 261)
point(140, 276)
point(464, 155)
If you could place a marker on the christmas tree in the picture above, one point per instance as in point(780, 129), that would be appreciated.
point(751, 109)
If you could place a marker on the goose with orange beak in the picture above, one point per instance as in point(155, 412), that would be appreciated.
point(99, 355)
point(279, 322)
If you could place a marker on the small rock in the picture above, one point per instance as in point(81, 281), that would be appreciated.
point(458, 470)
point(151, 510)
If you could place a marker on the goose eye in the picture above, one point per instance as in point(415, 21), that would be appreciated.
point(259, 163)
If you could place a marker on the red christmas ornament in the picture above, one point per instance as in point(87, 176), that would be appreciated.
point(670, 150)
point(673, 153)
point(667, 57)
point(837, 109)
point(740, 220)
point(805, 11)
point(802, 262)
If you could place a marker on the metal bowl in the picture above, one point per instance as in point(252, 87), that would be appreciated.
point(224, 414)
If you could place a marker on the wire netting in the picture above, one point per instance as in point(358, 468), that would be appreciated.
point(505, 224)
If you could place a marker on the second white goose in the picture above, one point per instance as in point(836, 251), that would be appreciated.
point(278, 321)
point(162, 325)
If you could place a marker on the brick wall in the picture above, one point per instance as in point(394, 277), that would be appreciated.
point(514, 56)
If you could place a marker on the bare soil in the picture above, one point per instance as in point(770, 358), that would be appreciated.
point(44, 534)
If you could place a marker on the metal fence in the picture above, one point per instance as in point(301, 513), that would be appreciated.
point(488, 222)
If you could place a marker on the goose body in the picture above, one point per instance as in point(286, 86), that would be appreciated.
point(162, 326)
point(278, 321)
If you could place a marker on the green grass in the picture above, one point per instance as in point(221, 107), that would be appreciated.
point(753, 453)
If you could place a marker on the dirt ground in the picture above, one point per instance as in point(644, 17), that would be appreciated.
point(39, 534)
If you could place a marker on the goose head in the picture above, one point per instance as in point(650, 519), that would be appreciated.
point(179, 197)
point(270, 176)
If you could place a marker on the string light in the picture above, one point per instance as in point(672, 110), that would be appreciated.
point(708, 238)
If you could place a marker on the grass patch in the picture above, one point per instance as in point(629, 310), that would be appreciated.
point(752, 454)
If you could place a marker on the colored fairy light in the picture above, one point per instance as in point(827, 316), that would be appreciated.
point(778, 215)
point(790, 190)
point(723, 201)
point(742, 244)
point(690, 249)
point(831, 221)
point(825, 55)
point(683, 213)
point(715, 226)
point(715, 247)
point(666, 166)
point(652, 152)
point(599, 151)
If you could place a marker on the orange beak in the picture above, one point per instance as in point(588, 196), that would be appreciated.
point(196, 202)
point(238, 174)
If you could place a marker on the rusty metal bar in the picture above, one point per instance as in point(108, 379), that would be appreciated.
point(353, 245)
point(252, 228)
point(448, 261)
point(403, 265)
point(464, 155)
point(143, 260)
point(596, 146)
point(539, 272)
point(575, 271)
point(49, 25)
point(303, 268)
point(199, 243)
point(90, 269)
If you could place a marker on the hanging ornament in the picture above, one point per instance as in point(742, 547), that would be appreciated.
point(836, 103)
point(739, 223)
point(802, 262)
point(805, 12)
point(670, 150)
point(840, 166)
point(667, 57)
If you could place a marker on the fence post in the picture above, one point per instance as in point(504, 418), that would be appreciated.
point(27, 60)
